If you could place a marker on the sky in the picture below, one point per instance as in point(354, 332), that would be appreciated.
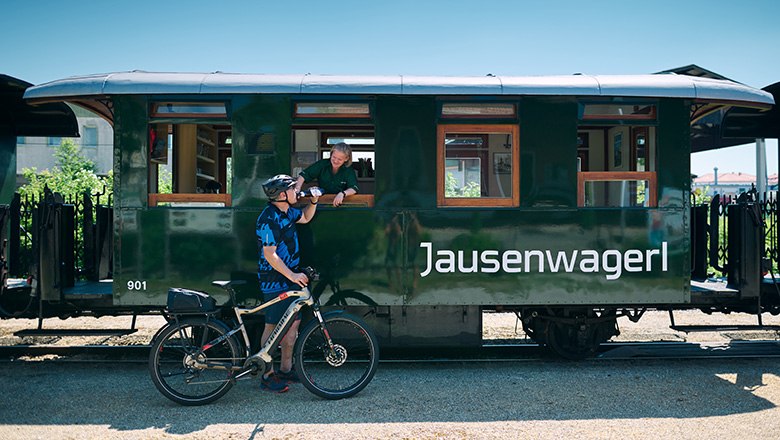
point(53, 39)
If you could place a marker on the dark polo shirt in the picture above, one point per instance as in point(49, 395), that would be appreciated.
point(330, 183)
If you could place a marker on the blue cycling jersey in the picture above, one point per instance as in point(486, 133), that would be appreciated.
point(276, 228)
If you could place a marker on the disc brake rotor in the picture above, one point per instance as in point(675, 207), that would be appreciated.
point(336, 357)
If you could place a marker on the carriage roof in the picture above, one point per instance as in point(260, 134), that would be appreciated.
point(219, 83)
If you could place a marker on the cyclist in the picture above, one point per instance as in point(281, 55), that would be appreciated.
point(277, 272)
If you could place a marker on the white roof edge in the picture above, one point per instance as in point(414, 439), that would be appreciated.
point(651, 86)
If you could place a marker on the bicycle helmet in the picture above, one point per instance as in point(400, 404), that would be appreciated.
point(276, 185)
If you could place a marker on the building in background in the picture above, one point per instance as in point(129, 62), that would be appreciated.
point(96, 141)
point(726, 183)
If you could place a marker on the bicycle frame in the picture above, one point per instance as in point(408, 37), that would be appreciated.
point(265, 354)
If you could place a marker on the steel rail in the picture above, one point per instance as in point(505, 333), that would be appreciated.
point(487, 353)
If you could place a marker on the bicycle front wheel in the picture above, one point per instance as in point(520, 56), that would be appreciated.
point(187, 366)
point(345, 369)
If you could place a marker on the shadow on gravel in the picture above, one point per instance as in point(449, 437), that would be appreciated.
point(123, 397)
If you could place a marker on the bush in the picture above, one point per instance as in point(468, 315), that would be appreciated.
point(73, 175)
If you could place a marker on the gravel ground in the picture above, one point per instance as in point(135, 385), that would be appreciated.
point(702, 399)
point(642, 399)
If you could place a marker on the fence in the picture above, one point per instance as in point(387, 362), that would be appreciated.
point(40, 222)
point(765, 207)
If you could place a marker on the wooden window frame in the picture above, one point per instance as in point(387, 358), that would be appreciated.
point(652, 116)
point(354, 201)
point(511, 116)
point(617, 176)
point(442, 131)
point(155, 115)
point(155, 198)
point(366, 115)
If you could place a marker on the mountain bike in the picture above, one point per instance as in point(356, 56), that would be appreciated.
point(196, 358)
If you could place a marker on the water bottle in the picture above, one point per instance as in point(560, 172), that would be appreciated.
point(310, 192)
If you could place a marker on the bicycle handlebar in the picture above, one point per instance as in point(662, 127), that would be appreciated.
point(311, 273)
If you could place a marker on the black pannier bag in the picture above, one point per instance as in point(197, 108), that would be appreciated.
point(190, 301)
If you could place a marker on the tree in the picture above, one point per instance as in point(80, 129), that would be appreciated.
point(164, 181)
point(451, 188)
point(73, 175)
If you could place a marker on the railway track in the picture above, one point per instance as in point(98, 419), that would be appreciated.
point(487, 353)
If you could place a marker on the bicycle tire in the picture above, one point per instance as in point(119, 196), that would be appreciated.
point(179, 341)
point(341, 374)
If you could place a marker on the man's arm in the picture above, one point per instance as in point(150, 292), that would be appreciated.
point(269, 252)
point(311, 208)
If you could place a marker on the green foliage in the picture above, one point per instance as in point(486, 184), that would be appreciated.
point(700, 196)
point(164, 181)
point(451, 188)
point(73, 175)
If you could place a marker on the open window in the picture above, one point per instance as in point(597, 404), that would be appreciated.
point(478, 165)
point(320, 126)
point(189, 162)
point(616, 149)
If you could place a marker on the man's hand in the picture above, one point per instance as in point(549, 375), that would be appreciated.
point(315, 192)
point(300, 279)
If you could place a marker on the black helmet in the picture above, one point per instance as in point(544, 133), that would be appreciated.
point(277, 185)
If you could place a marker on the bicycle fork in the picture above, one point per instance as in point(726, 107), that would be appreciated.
point(317, 314)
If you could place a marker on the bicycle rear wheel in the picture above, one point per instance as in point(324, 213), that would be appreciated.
point(343, 371)
point(179, 348)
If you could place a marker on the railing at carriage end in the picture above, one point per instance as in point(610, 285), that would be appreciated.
point(5, 213)
point(74, 231)
point(710, 231)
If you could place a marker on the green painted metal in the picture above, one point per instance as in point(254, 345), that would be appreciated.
point(7, 166)
point(373, 256)
point(131, 147)
point(254, 118)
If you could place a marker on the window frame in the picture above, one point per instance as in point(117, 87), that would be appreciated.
point(618, 176)
point(443, 115)
point(652, 116)
point(154, 115)
point(306, 116)
point(442, 131)
point(84, 143)
point(325, 130)
point(187, 199)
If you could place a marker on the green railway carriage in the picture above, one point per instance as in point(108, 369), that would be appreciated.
point(564, 198)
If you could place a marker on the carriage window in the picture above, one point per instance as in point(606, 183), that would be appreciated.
point(616, 164)
point(189, 164)
point(314, 144)
point(477, 110)
point(188, 110)
point(478, 165)
point(618, 111)
point(332, 110)
point(619, 190)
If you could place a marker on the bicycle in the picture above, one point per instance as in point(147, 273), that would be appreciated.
point(196, 358)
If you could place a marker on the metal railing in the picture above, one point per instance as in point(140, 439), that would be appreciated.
point(765, 205)
point(90, 221)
